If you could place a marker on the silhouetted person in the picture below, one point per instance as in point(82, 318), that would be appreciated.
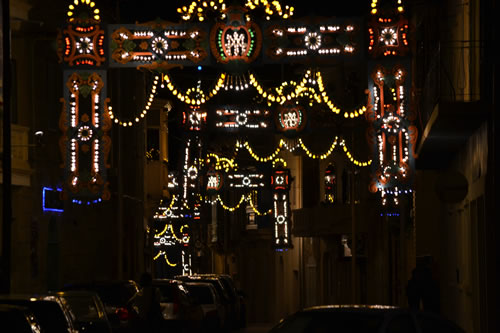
point(430, 292)
point(148, 304)
point(423, 290)
point(413, 292)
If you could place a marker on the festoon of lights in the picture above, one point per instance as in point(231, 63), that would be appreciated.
point(84, 123)
point(392, 133)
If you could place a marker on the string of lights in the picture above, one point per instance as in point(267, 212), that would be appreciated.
point(282, 144)
point(196, 96)
point(199, 8)
point(147, 106)
point(374, 6)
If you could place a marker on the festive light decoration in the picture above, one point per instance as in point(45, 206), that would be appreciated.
point(214, 181)
point(222, 162)
point(280, 183)
point(155, 46)
point(194, 118)
point(85, 143)
point(395, 136)
point(236, 117)
point(331, 183)
point(81, 43)
point(246, 180)
point(235, 82)
point(290, 118)
point(323, 40)
point(282, 144)
point(51, 201)
point(185, 97)
point(199, 8)
point(78, 12)
point(375, 9)
point(151, 96)
point(388, 34)
point(304, 87)
point(238, 39)
point(243, 198)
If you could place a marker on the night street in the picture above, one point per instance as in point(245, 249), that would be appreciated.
point(247, 166)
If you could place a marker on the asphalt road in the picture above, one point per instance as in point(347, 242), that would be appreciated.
point(256, 328)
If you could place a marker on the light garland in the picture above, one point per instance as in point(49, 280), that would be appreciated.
point(280, 161)
point(282, 144)
point(164, 254)
point(374, 6)
point(301, 89)
point(184, 97)
point(88, 6)
point(222, 162)
point(271, 8)
point(243, 198)
point(352, 159)
point(152, 94)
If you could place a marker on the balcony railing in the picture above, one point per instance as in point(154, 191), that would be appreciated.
point(451, 73)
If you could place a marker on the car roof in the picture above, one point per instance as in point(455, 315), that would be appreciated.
point(200, 283)
point(351, 307)
point(29, 297)
point(100, 283)
point(167, 281)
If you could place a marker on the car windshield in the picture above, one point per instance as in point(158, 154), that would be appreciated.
point(229, 288)
point(49, 314)
point(330, 321)
point(84, 308)
point(169, 293)
point(110, 294)
point(201, 294)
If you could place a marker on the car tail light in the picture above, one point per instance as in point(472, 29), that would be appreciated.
point(122, 314)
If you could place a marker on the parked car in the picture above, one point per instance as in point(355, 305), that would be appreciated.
point(364, 318)
point(237, 298)
point(115, 296)
point(229, 306)
point(179, 310)
point(87, 310)
point(213, 310)
point(19, 319)
point(50, 312)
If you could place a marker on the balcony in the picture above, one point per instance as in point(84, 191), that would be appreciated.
point(450, 104)
point(21, 170)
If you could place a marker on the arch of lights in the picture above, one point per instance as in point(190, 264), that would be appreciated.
point(217, 34)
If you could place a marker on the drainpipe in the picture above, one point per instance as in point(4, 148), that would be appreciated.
point(7, 151)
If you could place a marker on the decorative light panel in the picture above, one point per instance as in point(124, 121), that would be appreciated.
point(194, 118)
point(238, 39)
point(388, 36)
point(85, 143)
point(155, 46)
point(280, 181)
point(289, 42)
point(237, 117)
point(290, 118)
point(393, 134)
point(214, 181)
point(331, 183)
point(246, 180)
point(81, 42)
